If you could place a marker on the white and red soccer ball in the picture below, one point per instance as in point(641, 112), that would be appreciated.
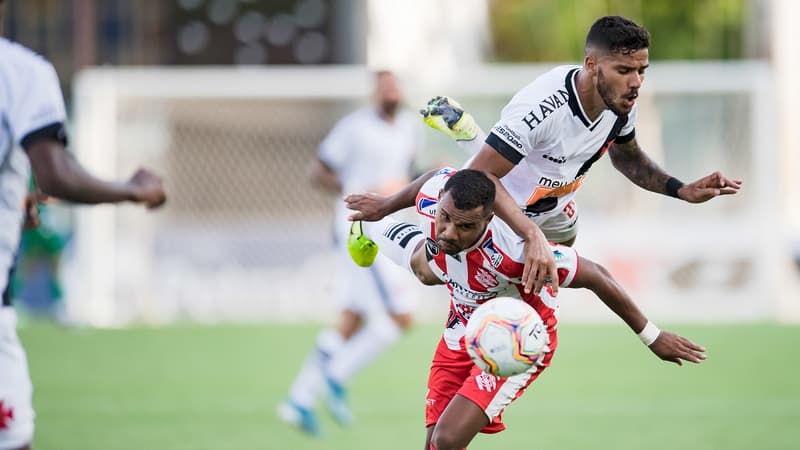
point(505, 336)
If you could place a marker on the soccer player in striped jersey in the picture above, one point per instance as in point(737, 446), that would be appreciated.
point(32, 136)
point(478, 257)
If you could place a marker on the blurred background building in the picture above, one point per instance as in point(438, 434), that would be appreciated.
point(230, 98)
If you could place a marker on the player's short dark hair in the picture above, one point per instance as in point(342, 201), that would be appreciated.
point(469, 189)
point(616, 34)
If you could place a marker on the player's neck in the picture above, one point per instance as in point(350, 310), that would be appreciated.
point(590, 100)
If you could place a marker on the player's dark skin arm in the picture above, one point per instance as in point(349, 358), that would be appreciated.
point(372, 207)
point(634, 163)
point(57, 174)
point(539, 262)
point(668, 346)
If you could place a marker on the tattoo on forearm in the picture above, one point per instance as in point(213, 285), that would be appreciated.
point(629, 159)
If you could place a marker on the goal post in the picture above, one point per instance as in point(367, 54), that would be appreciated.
point(244, 237)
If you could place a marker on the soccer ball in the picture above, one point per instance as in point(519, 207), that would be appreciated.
point(505, 336)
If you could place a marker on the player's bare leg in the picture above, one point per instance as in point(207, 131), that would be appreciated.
point(460, 422)
point(349, 323)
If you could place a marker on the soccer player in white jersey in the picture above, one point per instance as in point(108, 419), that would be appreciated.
point(478, 257)
point(32, 136)
point(371, 149)
point(555, 128)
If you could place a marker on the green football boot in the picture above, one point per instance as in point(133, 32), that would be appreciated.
point(446, 115)
point(362, 249)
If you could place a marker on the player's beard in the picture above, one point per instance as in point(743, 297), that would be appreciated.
point(605, 93)
point(389, 107)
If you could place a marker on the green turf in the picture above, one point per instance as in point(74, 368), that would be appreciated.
point(193, 388)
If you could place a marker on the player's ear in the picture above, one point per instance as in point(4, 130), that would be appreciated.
point(590, 63)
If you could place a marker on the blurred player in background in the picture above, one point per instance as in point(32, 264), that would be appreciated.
point(32, 136)
point(371, 149)
point(458, 243)
point(554, 129)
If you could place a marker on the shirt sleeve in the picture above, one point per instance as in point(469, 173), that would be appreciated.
point(628, 131)
point(566, 263)
point(36, 103)
point(428, 198)
point(517, 132)
point(336, 148)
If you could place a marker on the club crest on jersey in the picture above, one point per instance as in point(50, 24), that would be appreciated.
point(494, 256)
point(426, 205)
point(444, 171)
point(485, 278)
point(557, 255)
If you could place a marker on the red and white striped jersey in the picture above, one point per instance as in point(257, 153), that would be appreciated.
point(491, 267)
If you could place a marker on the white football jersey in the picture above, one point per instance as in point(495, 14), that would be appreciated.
point(545, 132)
point(30, 103)
point(367, 153)
point(491, 267)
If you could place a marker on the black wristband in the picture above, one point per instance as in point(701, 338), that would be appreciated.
point(673, 184)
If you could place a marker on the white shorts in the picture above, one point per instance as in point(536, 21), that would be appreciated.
point(16, 391)
point(561, 226)
point(382, 288)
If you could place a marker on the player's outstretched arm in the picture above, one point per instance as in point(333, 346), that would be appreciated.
point(629, 159)
point(667, 346)
point(372, 207)
point(540, 266)
point(60, 176)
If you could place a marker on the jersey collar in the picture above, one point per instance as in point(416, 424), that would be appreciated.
point(575, 104)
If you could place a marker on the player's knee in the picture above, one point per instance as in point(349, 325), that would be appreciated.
point(446, 439)
point(403, 321)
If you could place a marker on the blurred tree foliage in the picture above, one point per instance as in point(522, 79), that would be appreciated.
point(555, 30)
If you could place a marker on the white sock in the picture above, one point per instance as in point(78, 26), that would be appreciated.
point(396, 240)
point(361, 349)
point(308, 383)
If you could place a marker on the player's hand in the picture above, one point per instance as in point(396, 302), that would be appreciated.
point(708, 187)
point(32, 200)
point(540, 265)
point(671, 347)
point(147, 188)
point(369, 207)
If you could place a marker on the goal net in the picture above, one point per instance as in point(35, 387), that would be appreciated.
point(244, 237)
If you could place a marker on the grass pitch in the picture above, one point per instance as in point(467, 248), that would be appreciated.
point(195, 387)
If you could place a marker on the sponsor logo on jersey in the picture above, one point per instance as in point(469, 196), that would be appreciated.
point(485, 278)
point(426, 205)
point(467, 293)
point(551, 183)
point(431, 247)
point(557, 255)
point(494, 256)
point(444, 171)
point(546, 107)
point(510, 136)
point(486, 381)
